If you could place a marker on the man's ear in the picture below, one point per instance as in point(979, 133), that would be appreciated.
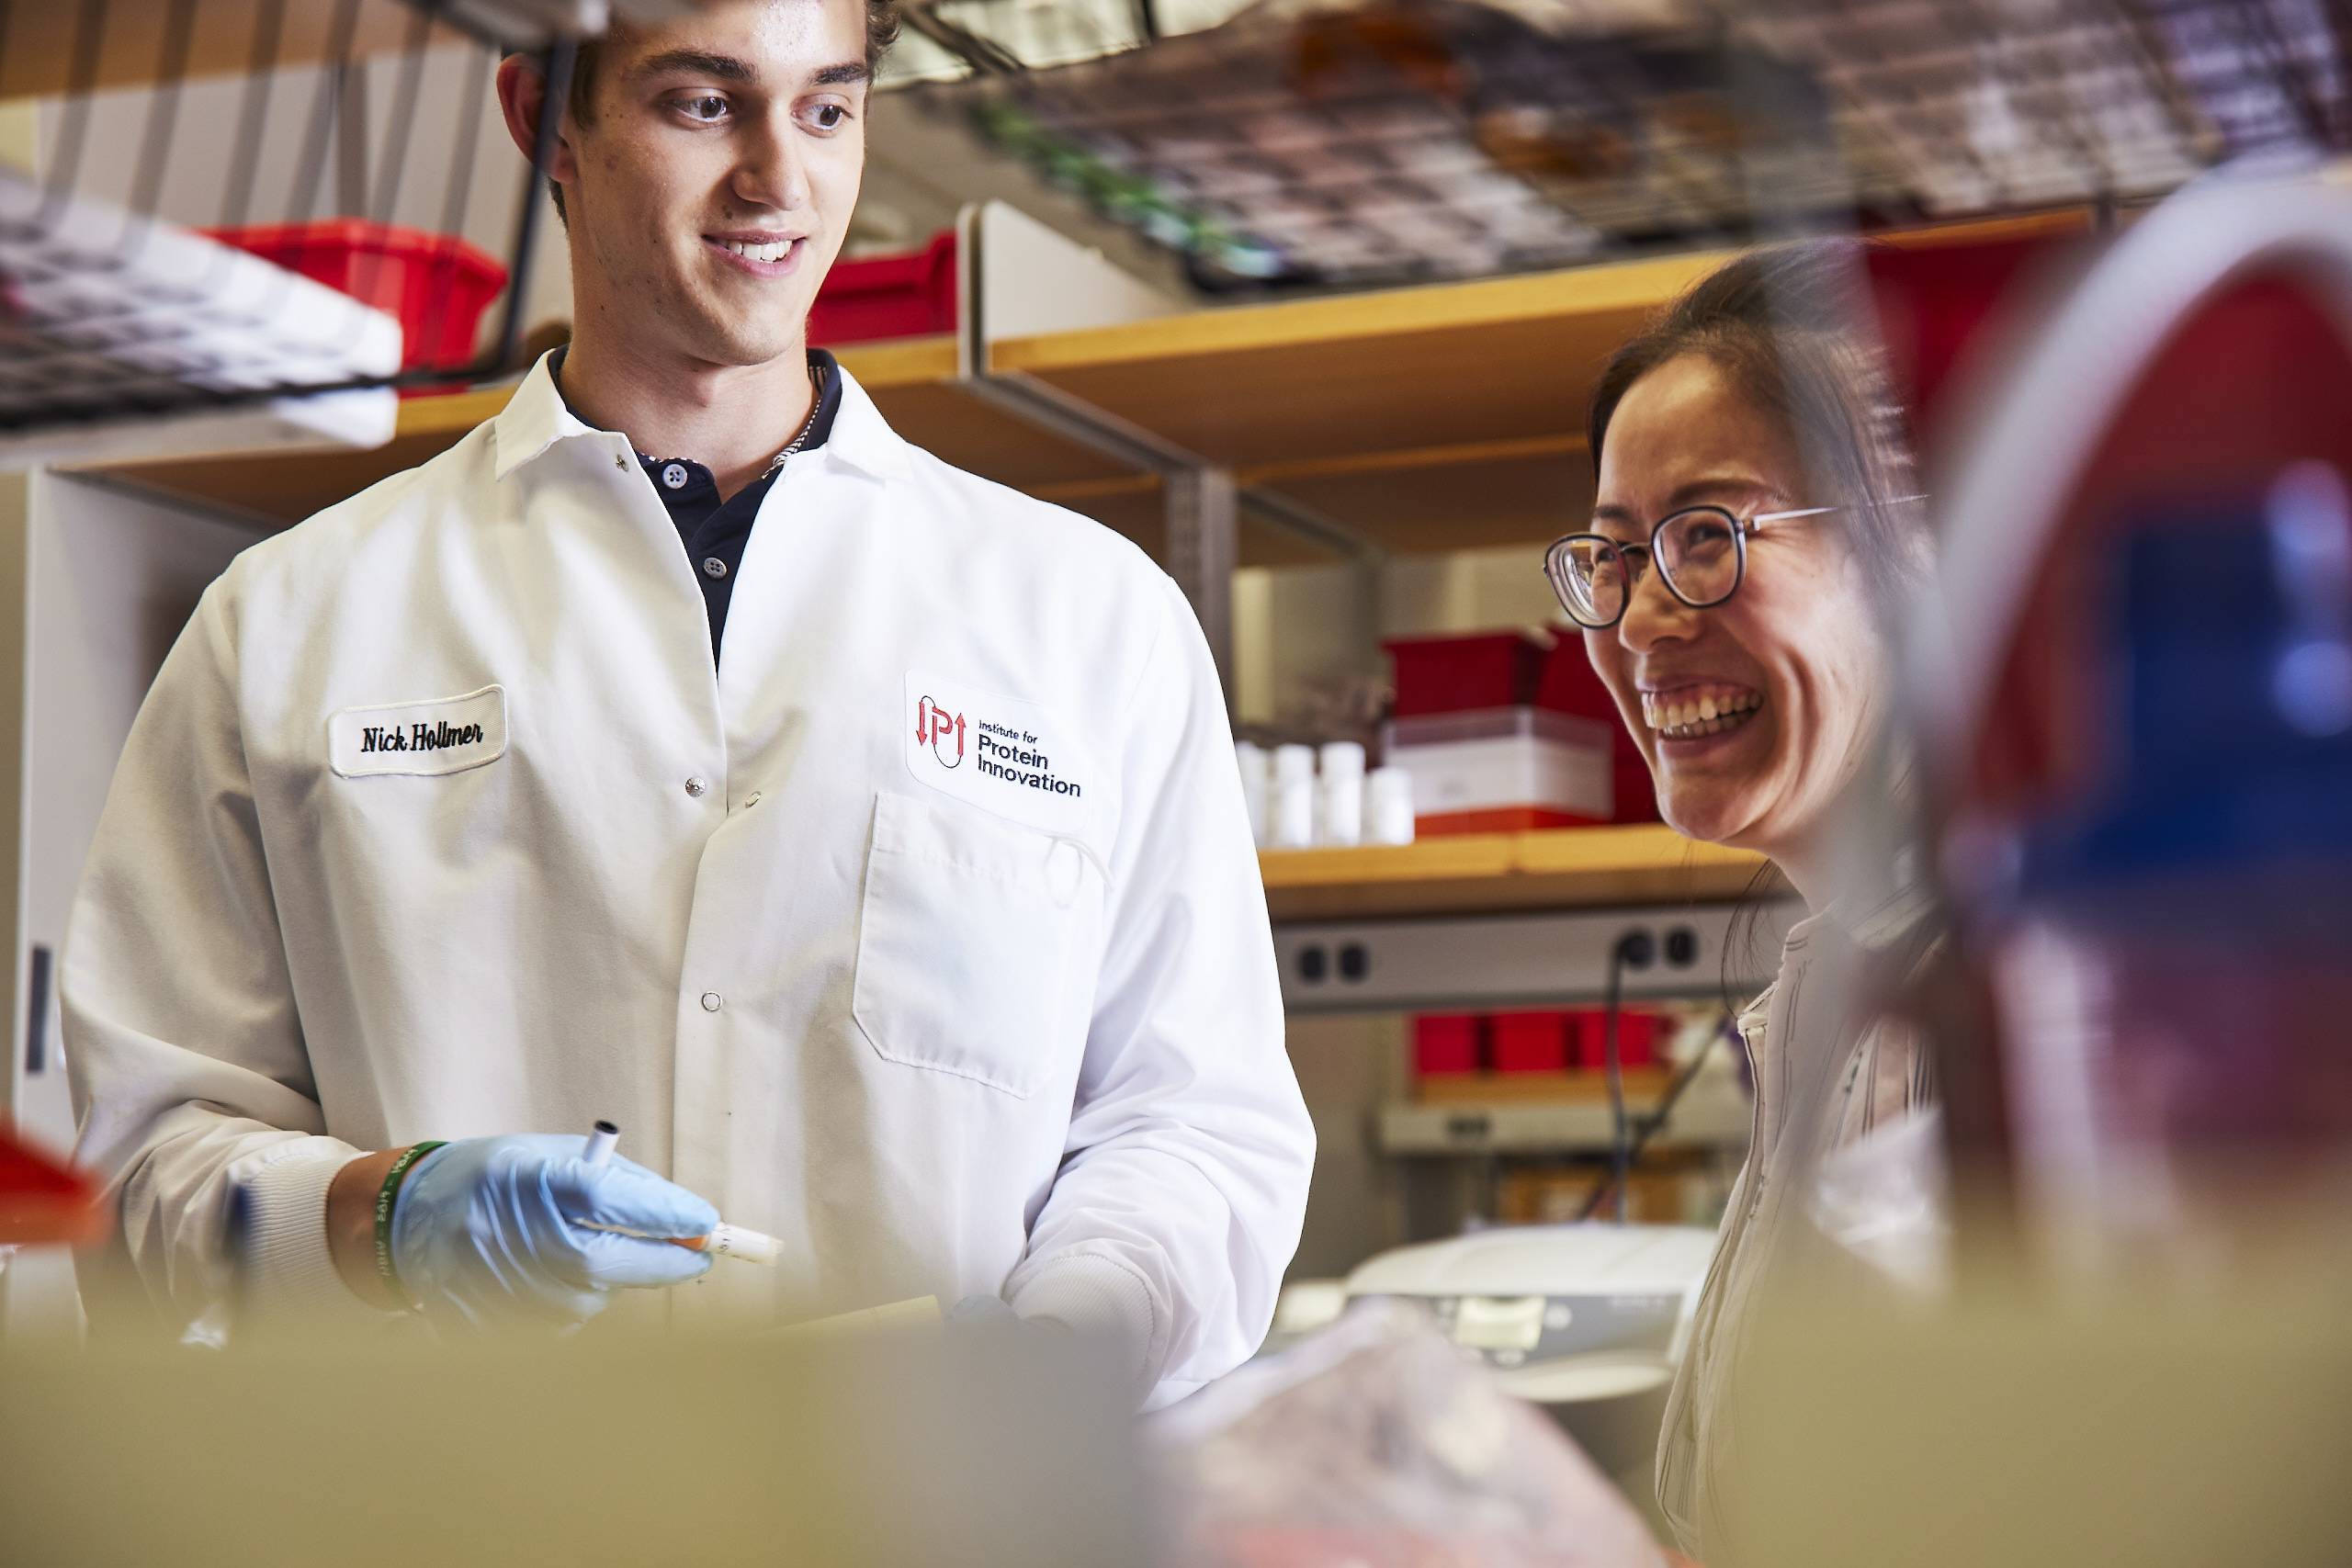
point(523, 98)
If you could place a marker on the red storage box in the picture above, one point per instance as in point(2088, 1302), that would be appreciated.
point(1568, 684)
point(1445, 1042)
point(1453, 674)
point(437, 284)
point(1532, 1042)
point(1636, 1039)
point(909, 295)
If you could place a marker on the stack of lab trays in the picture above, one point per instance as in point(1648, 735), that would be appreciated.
point(1294, 805)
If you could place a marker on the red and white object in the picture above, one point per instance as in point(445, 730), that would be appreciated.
point(1502, 769)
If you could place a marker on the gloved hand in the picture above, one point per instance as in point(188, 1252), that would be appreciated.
point(483, 1230)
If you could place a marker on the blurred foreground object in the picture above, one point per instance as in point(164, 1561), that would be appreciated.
point(1993, 1430)
point(878, 1451)
point(1346, 142)
point(44, 1200)
point(339, 145)
point(1376, 1444)
point(108, 322)
point(2137, 714)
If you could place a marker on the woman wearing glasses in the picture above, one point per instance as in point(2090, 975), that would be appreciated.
point(1754, 540)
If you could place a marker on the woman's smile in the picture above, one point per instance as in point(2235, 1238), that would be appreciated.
point(1693, 709)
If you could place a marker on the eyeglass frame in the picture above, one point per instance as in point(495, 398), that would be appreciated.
point(1742, 529)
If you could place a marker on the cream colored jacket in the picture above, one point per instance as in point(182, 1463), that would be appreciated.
point(1875, 1189)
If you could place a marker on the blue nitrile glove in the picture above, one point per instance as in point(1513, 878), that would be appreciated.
point(482, 1232)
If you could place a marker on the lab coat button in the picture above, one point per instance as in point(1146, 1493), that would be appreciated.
point(753, 798)
point(710, 1001)
point(712, 567)
point(695, 787)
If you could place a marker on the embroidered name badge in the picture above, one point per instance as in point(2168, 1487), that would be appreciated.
point(1002, 753)
point(446, 735)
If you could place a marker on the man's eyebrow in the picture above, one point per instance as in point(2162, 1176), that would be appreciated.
point(841, 75)
point(695, 62)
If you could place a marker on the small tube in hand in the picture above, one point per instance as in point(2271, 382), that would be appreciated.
point(738, 1241)
point(727, 1241)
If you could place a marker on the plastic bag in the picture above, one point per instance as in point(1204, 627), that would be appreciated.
point(1377, 1444)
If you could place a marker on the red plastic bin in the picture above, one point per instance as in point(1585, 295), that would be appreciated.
point(1636, 1039)
point(437, 284)
point(1532, 1042)
point(1446, 1042)
point(909, 295)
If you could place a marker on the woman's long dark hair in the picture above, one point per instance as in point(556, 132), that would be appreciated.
point(1792, 327)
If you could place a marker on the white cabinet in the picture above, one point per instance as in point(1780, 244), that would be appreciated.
point(96, 579)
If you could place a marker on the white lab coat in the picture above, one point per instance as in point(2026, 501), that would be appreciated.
point(925, 933)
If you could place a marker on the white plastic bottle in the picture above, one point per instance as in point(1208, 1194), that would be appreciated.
point(1342, 793)
point(1292, 823)
point(1388, 807)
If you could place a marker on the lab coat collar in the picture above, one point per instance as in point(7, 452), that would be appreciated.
point(536, 417)
point(864, 439)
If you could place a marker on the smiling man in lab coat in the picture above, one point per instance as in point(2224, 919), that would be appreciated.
point(684, 749)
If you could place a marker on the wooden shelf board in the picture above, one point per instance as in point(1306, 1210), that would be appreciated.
point(1467, 874)
point(36, 51)
point(1579, 1086)
point(1350, 318)
point(1502, 360)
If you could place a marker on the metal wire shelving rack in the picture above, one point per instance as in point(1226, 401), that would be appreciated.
point(165, 122)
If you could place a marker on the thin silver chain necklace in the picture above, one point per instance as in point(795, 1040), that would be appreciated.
point(816, 402)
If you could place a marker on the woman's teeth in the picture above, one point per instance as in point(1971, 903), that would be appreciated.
point(1688, 712)
point(773, 252)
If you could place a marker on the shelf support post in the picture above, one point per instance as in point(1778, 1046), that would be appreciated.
point(1202, 507)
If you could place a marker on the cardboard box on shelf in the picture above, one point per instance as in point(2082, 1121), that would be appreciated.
point(1671, 1187)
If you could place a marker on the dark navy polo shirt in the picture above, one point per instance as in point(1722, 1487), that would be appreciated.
point(715, 532)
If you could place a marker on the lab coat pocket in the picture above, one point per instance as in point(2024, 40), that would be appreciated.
point(967, 942)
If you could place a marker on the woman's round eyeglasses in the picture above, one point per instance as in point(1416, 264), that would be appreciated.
point(1701, 551)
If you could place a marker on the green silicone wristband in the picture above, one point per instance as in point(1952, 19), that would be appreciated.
point(385, 1195)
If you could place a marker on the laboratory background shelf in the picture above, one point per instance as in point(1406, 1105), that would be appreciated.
point(1550, 868)
point(1383, 411)
point(1712, 1112)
